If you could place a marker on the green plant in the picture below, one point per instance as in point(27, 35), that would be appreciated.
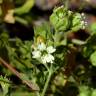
point(49, 63)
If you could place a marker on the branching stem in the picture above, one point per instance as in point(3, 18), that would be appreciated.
point(47, 81)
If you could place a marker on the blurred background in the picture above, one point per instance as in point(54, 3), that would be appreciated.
point(18, 17)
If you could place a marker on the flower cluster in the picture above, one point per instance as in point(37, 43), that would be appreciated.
point(83, 22)
point(61, 18)
point(44, 53)
point(78, 21)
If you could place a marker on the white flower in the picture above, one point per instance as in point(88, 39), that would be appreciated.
point(41, 46)
point(82, 22)
point(44, 53)
point(82, 14)
point(48, 58)
point(36, 54)
point(50, 49)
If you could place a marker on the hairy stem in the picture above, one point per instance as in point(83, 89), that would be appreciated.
point(47, 82)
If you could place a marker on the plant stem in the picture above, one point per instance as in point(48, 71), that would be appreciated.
point(67, 4)
point(30, 85)
point(20, 20)
point(47, 82)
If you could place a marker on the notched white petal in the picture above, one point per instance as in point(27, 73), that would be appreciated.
point(36, 54)
point(50, 49)
point(48, 58)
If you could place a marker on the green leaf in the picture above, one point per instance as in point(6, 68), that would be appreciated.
point(93, 58)
point(93, 28)
point(94, 92)
point(87, 51)
point(60, 19)
point(42, 33)
point(84, 91)
point(77, 22)
point(25, 8)
point(90, 46)
point(5, 84)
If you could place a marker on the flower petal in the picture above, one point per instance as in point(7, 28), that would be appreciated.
point(50, 49)
point(36, 54)
point(48, 58)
